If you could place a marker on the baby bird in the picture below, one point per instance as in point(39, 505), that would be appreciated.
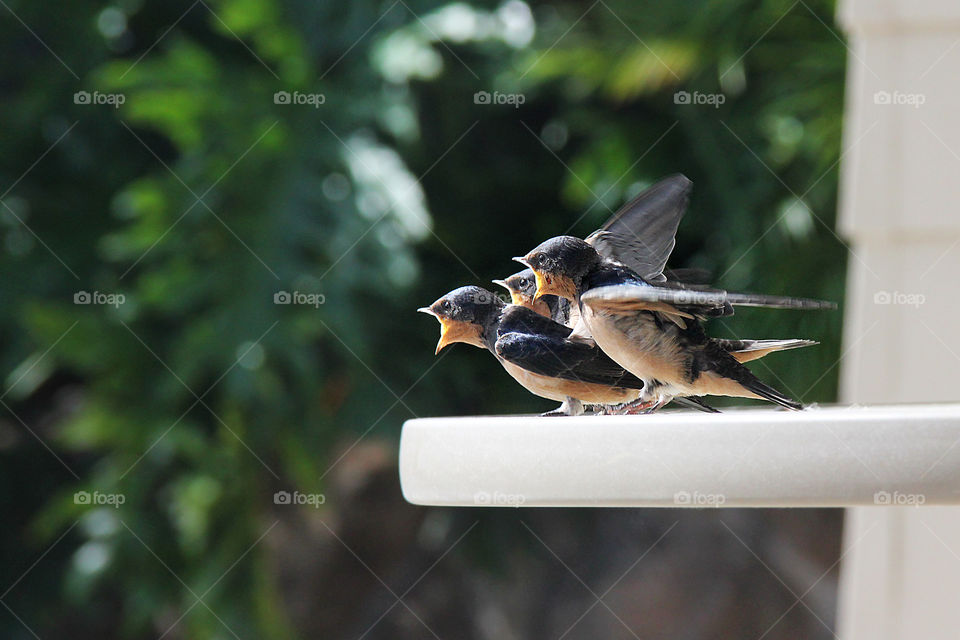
point(523, 290)
point(652, 328)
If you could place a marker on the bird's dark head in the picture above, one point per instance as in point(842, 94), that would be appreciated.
point(521, 285)
point(464, 315)
point(523, 292)
point(559, 264)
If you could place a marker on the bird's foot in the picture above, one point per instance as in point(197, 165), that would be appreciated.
point(569, 407)
point(634, 408)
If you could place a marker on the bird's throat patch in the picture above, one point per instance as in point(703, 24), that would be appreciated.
point(550, 284)
point(456, 331)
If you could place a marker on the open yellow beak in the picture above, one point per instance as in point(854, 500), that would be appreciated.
point(515, 296)
point(455, 331)
point(447, 336)
point(542, 284)
point(541, 280)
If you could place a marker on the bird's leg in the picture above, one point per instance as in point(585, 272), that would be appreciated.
point(652, 406)
point(632, 408)
point(610, 409)
point(569, 407)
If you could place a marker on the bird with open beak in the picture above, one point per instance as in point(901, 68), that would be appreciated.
point(651, 326)
point(522, 287)
point(662, 204)
point(535, 351)
point(523, 291)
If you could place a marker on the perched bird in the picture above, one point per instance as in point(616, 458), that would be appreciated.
point(535, 351)
point(653, 215)
point(643, 320)
point(652, 327)
point(640, 231)
point(523, 290)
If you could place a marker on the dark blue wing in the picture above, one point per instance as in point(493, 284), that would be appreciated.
point(518, 319)
point(558, 357)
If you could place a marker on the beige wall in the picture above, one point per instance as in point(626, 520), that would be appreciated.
point(900, 212)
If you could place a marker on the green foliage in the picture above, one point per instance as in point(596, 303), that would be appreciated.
point(199, 198)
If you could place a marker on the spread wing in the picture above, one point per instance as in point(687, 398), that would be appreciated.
point(684, 303)
point(689, 276)
point(642, 233)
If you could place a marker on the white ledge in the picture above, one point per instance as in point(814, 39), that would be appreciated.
point(834, 457)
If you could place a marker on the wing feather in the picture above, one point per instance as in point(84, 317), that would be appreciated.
point(560, 358)
point(685, 303)
point(642, 233)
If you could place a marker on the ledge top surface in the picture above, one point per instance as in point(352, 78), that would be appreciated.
point(891, 455)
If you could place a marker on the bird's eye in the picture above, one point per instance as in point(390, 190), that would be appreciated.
point(446, 306)
point(541, 260)
point(523, 282)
